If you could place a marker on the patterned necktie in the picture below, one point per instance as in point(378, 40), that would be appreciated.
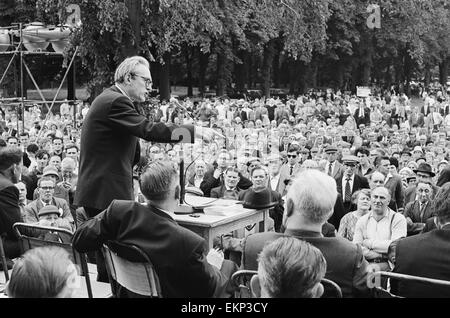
point(422, 211)
point(348, 191)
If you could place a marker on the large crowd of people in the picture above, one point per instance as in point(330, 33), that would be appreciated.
point(366, 171)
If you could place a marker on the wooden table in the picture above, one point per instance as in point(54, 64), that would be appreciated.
point(211, 226)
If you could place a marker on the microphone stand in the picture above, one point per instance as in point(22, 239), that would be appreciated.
point(182, 208)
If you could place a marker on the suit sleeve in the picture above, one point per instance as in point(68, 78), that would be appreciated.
point(91, 235)
point(399, 195)
point(214, 193)
point(9, 214)
point(360, 288)
point(124, 115)
point(210, 281)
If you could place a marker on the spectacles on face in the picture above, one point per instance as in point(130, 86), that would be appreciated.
point(47, 188)
point(423, 190)
point(148, 81)
point(292, 156)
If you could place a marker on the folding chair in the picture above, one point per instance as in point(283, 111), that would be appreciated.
point(331, 289)
point(128, 266)
point(3, 260)
point(32, 236)
point(380, 292)
point(241, 280)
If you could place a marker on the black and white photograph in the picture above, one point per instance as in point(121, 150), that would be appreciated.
point(222, 153)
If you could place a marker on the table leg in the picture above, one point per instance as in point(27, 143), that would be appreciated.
point(263, 224)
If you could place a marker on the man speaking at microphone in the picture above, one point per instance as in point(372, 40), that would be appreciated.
point(109, 138)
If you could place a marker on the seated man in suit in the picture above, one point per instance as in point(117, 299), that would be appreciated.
point(426, 255)
point(46, 187)
point(215, 178)
point(229, 190)
point(310, 202)
point(177, 253)
point(419, 211)
point(289, 268)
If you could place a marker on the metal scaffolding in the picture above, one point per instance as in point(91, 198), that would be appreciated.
point(17, 29)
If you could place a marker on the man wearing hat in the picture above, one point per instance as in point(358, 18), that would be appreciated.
point(424, 173)
point(50, 215)
point(60, 191)
point(333, 168)
point(417, 152)
point(349, 182)
point(46, 187)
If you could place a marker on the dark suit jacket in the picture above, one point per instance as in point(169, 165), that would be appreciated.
point(219, 191)
point(425, 255)
point(362, 120)
point(358, 183)
point(412, 210)
point(109, 144)
point(210, 182)
point(395, 187)
point(9, 214)
point(177, 253)
point(346, 265)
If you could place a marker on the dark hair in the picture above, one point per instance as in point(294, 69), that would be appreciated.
point(33, 148)
point(69, 146)
point(11, 137)
point(293, 148)
point(441, 203)
point(393, 161)
point(362, 150)
point(24, 134)
point(2, 143)
point(57, 138)
point(444, 177)
point(257, 167)
point(41, 153)
point(9, 156)
point(378, 159)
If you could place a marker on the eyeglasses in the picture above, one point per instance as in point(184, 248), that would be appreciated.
point(292, 156)
point(148, 81)
point(47, 188)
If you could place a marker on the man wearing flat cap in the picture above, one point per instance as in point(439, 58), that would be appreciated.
point(350, 182)
point(333, 168)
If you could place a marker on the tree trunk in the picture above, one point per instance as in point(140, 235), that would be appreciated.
point(221, 72)
point(203, 65)
point(427, 79)
point(443, 71)
point(250, 58)
point(240, 71)
point(340, 74)
point(407, 72)
point(131, 45)
point(164, 78)
point(189, 56)
point(269, 53)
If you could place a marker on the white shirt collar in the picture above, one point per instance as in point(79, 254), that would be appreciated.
point(123, 92)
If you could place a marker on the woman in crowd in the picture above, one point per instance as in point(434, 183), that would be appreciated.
point(347, 226)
